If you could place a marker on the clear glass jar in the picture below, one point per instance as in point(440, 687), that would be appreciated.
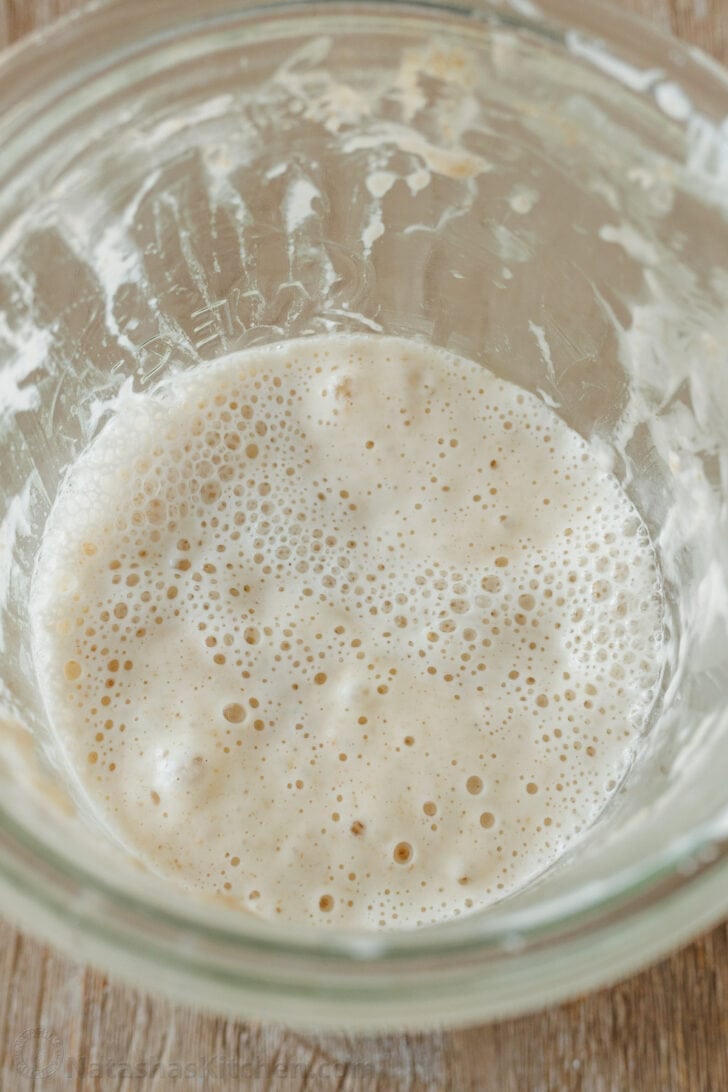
point(560, 215)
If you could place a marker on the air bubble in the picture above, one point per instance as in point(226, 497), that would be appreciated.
point(234, 713)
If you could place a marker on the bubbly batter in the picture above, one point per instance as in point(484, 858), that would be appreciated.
point(347, 629)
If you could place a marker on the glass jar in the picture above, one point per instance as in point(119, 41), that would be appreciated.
point(175, 186)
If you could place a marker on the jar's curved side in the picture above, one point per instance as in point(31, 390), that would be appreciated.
point(361, 997)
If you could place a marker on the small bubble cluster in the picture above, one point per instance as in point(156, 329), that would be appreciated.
point(347, 631)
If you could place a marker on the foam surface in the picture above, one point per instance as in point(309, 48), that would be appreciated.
point(348, 630)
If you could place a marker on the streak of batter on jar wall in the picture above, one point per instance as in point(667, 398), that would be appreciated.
point(347, 630)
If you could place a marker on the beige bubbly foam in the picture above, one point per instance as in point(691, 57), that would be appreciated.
point(347, 629)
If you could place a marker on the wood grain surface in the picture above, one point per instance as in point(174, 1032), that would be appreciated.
point(665, 1030)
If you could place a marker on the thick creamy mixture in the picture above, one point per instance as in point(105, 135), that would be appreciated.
point(348, 630)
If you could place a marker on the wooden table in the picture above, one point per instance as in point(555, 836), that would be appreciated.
point(665, 1030)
